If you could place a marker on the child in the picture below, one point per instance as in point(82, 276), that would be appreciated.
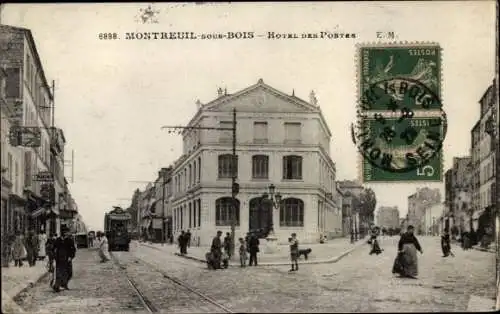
point(243, 252)
point(294, 252)
point(225, 260)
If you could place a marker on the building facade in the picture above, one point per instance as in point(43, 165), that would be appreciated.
point(458, 194)
point(432, 218)
point(31, 98)
point(147, 215)
point(417, 203)
point(281, 140)
point(484, 157)
point(350, 218)
point(388, 217)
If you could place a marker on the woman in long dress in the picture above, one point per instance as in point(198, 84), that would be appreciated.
point(18, 250)
point(103, 247)
point(407, 254)
point(42, 240)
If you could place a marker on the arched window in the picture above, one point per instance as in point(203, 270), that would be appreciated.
point(292, 167)
point(223, 210)
point(260, 167)
point(292, 213)
point(225, 166)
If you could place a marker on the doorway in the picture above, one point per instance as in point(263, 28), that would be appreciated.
point(259, 216)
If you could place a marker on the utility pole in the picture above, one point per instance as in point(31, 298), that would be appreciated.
point(235, 188)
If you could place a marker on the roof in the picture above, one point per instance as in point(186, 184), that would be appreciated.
point(260, 83)
point(31, 42)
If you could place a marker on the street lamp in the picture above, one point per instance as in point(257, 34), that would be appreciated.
point(273, 200)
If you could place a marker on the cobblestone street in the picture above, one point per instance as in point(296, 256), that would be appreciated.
point(95, 288)
point(356, 283)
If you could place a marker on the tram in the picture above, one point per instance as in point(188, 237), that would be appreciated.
point(116, 224)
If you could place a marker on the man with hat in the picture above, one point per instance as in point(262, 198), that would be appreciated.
point(216, 250)
point(64, 251)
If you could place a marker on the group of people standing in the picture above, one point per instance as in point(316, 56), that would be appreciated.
point(220, 250)
point(30, 247)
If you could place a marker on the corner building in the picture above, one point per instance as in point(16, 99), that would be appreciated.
point(281, 140)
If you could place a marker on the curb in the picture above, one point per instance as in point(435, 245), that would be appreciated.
point(327, 261)
point(17, 294)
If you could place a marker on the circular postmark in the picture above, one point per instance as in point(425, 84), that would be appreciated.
point(401, 125)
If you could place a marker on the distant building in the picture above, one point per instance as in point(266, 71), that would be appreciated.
point(432, 216)
point(388, 217)
point(417, 203)
point(458, 182)
point(350, 219)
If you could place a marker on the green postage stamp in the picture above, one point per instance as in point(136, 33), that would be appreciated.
point(401, 124)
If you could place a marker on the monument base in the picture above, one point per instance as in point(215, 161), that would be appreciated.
point(271, 244)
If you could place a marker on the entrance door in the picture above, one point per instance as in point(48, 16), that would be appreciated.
point(259, 216)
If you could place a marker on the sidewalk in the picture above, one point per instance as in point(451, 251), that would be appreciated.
point(329, 252)
point(17, 279)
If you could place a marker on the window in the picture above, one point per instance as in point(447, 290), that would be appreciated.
point(190, 176)
point(181, 214)
point(226, 166)
point(292, 132)
point(225, 135)
point(199, 169)
point(190, 209)
point(260, 167)
point(10, 165)
point(292, 168)
point(16, 184)
point(199, 213)
point(13, 83)
point(194, 214)
point(194, 173)
point(223, 211)
point(260, 132)
point(292, 213)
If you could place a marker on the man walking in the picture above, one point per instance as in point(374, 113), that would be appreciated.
point(182, 240)
point(188, 238)
point(32, 247)
point(216, 250)
point(64, 252)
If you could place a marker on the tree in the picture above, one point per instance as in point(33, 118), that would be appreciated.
point(368, 203)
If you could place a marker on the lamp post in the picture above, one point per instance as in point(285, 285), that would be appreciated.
point(271, 201)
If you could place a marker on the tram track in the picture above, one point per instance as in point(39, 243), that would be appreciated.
point(148, 305)
point(192, 295)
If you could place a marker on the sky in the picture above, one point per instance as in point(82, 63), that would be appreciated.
point(113, 96)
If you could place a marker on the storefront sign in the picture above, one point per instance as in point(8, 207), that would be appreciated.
point(44, 176)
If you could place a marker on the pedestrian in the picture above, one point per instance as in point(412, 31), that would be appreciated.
point(243, 252)
point(64, 253)
point(407, 254)
point(445, 244)
point(182, 240)
point(375, 247)
point(18, 250)
point(188, 239)
point(42, 240)
point(466, 241)
point(227, 244)
point(91, 239)
point(253, 248)
point(102, 243)
point(294, 252)
point(31, 244)
point(49, 249)
point(216, 250)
